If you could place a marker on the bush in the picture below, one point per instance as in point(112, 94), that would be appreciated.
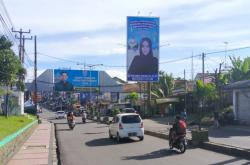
point(206, 121)
point(115, 112)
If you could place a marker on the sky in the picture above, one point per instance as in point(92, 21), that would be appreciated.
point(71, 33)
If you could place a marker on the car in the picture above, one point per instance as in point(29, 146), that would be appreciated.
point(126, 125)
point(128, 110)
point(60, 114)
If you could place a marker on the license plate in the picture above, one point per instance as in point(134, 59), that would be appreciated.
point(132, 134)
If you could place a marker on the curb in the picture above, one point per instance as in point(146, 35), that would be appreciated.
point(220, 148)
point(16, 134)
point(53, 147)
point(57, 145)
point(226, 149)
point(12, 143)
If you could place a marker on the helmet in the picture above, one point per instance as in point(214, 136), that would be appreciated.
point(177, 117)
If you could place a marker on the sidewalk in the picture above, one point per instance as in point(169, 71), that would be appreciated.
point(38, 148)
point(225, 138)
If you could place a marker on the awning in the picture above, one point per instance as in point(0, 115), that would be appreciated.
point(167, 100)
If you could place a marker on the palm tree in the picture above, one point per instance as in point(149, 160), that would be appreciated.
point(164, 87)
point(240, 70)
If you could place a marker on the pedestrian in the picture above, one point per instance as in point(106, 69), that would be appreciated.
point(216, 119)
point(184, 115)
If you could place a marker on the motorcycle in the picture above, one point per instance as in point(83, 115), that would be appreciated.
point(71, 124)
point(180, 142)
point(84, 117)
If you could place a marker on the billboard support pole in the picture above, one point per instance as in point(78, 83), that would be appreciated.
point(149, 98)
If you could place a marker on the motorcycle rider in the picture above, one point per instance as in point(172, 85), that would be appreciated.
point(70, 117)
point(179, 128)
point(84, 116)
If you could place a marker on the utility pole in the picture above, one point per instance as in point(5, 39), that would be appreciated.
point(203, 68)
point(21, 32)
point(192, 67)
point(203, 76)
point(35, 72)
point(23, 48)
point(219, 85)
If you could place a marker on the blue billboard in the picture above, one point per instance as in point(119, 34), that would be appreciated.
point(71, 80)
point(142, 49)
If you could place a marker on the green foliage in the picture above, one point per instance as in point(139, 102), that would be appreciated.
point(205, 93)
point(207, 121)
point(4, 43)
point(133, 97)
point(9, 65)
point(11, 70)
point(115, 112)
point(13, 123)
point(240, 70)
point(164, 87)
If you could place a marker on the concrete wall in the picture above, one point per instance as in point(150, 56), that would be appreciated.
point(241, 100)
point(10, 148)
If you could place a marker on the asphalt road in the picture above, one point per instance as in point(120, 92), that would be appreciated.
point(89, 144)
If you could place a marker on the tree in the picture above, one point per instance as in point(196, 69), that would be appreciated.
point(4, 43)
point(133, 97)
point(240, 70)
point(164, 87)
point(11, 69)
point(205, 94)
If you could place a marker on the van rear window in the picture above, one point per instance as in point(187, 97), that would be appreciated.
point(131, 119)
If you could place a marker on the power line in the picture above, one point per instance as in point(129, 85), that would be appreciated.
point(7, 13)
point(229, 50)
point(62, 59)
point(165, 62)
point(180, 59)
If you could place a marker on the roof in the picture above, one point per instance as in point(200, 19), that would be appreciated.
point(131, 88)
point(118, 80)
point(239, 85)
point(208, 77)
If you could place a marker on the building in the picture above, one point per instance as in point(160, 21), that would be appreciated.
point(208, 77)
point(241, 100)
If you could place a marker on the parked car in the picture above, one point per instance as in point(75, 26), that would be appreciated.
point(128, 110)
point(126, 125)
point(60, 114)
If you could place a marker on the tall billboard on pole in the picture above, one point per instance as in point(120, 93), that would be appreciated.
point(143, 49)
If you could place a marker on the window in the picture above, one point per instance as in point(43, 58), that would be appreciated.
point(131, 119)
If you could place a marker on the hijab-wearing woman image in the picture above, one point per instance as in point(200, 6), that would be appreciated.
point(145, 63)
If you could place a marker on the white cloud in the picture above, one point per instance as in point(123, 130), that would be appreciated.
point(30, 74)
point(117, 73)
point(187, 25)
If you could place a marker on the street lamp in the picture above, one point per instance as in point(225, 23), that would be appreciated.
point(90, 69)
point(226, 44)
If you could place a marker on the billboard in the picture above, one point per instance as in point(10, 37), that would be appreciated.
point(142, 48)
point(70, 80)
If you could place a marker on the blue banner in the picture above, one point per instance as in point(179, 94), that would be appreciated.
point(142, 49)
point(70, 80)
